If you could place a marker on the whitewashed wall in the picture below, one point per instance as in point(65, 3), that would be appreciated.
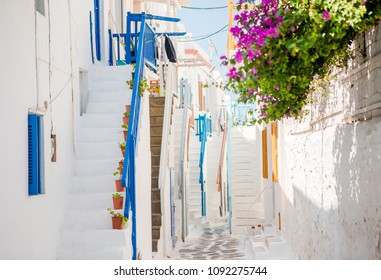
point(331, 165)
point(30, 225)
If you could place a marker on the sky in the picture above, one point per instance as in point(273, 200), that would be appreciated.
point(205, 22)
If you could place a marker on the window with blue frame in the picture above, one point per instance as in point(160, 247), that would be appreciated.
point(35, 159)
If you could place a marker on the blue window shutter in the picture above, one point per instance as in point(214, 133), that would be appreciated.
point(34, 185)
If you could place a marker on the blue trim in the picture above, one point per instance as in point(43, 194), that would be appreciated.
point(203, 131)
point(110, 58)
point(34, 155)
point(91, 37)
point(97, 29)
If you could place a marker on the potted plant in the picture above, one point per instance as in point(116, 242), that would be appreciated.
point(117, 201)
point(126, 117)
point(128, 108)
point(125, 130)
point(118, 180)
point(122, 146)
point(130, 83)
point(143, 86)
point(120, 167)
point(118, 220)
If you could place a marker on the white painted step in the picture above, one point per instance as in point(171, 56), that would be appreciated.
point(94, 134)
point(107, 253)
point(105, 108)
point(89, 219)
point(101, 120)
point(110, 73)
point(106, 85)
point(87, 167)
point(105, 150)
point(92, 184)
point(96, 239)
point(88, 201)
point(122, 97)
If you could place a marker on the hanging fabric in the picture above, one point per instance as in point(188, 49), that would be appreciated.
point(170, 49)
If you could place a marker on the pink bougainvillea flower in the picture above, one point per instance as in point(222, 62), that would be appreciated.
point(326, 15)
point(235, 30)
point(232, 73)
point(223, 57)
point(238, 56)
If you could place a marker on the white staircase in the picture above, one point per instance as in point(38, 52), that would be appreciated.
point(213, 196)
point(267, 243)
point(246, 171)
point(87, 233)
point(194, 175)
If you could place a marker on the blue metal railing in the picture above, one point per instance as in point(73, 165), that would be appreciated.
point(143, 50)
point(130, 40)
point(204, 130)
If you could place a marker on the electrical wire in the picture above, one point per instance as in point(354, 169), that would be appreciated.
point(203, 37)
point(206, 8)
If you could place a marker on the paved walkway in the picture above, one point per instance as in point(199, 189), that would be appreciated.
point(212, 242)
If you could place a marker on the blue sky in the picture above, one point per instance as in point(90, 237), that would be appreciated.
point(205, 22)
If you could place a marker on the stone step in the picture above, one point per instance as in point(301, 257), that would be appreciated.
point(156, 120)
point(155, 159)
point(156, 130)
point(155, 171)
point(156, 219)
point(155, 140)
point(156, 149)
point(156, 111)
point(157, 101)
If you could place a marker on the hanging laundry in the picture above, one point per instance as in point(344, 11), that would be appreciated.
point(170, 49)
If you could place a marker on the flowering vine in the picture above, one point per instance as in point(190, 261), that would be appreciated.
point(282, 46)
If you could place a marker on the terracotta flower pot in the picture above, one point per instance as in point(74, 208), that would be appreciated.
point(126, 120)
point(118, 186)
point(125, 135)
point(123, 150)
point(117, 222)
point(128, 108)
point(117, 203)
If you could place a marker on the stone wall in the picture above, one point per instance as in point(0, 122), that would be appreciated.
point(331, 161)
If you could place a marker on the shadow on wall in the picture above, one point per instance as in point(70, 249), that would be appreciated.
point(357, 150)
point(334, 201)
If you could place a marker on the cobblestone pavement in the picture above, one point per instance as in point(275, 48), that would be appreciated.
point(212, 243)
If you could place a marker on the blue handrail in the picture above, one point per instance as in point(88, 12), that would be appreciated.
point(204, 130)
point(128, 174)
point(144, 55)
